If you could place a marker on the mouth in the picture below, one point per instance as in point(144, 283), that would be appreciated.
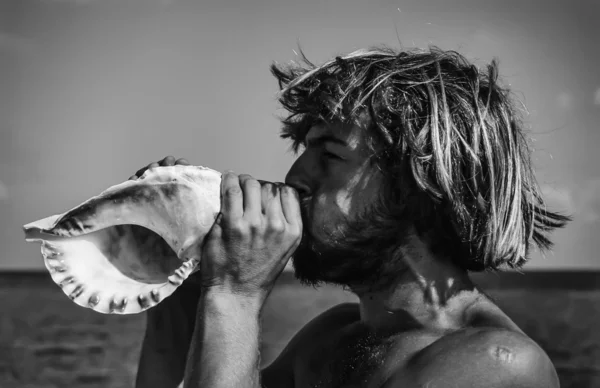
point(305, 210)
point(305, 203)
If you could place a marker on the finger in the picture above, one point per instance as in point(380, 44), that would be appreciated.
point(231, 196)
point(141, 171)
point(290, 205)
point(271, 204)
point(167, 161)
point(182, 161)
point(252, 195)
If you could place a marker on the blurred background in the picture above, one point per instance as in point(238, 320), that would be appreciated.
point(92, 90)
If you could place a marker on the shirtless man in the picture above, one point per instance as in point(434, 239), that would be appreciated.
point(412, 171)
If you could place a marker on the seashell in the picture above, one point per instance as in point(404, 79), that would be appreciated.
point(130, 247)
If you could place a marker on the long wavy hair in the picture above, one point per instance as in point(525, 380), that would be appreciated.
point(446, 135)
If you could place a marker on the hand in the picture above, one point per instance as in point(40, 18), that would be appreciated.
point(167, 161)
point(257, 231)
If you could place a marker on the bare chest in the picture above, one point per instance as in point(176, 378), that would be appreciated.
point(355, 359)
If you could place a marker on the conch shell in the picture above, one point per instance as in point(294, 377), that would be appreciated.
point(130, 247)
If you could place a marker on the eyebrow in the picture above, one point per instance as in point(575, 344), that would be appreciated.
point(314, 142)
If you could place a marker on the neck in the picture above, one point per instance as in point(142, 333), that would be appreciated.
point(430, 293)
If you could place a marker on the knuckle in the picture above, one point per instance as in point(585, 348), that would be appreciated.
point(233, 191)
point(277, 226)
point(251, 183)
point(295, 231)
point(255, 225)
point(237, 227)
point(230, 179)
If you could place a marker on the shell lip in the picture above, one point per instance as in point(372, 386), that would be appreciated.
point(43, 226)
point(115, 301)
point(32, 235)
point(106, 301)
point(43, 232)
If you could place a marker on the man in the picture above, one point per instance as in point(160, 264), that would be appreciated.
point(414, 170)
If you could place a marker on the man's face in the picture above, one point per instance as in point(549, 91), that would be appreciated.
point(338, 186)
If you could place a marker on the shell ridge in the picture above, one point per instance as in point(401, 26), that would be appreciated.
point(80, 246)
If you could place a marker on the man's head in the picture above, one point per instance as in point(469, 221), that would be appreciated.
point(434, 146)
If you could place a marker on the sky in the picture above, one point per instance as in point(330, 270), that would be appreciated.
point(93, 90)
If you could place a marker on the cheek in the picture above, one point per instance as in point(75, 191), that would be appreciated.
point(351, 192)
point(343, 202)
point(325, 214)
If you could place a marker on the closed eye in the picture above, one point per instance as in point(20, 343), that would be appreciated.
point(331, 155)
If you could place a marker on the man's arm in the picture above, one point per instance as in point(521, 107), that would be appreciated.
point(169, 329)
point(236, 361)
point(258, 229)
point(225, 346)
point(252, 239)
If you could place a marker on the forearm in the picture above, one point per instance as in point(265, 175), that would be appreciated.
point(225, 346)
point(169, 328)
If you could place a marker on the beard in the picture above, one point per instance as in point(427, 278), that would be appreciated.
point(360, 252)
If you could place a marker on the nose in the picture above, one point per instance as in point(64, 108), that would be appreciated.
point(298, 178)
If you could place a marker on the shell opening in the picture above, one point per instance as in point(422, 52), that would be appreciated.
point(108, 268)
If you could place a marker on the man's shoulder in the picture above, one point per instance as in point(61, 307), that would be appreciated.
point(324, 324)
point(341, 314)
point(479, 357)
point(280, 372)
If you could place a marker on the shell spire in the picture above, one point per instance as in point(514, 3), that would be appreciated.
point(130, 247)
